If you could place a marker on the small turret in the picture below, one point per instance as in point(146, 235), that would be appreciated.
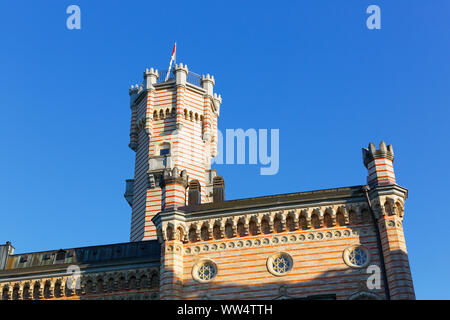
point(133, 93)
point(150, 78)
point(181, 72)
point(379, 164)
point(208, 84)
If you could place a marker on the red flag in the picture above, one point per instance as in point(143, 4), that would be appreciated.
point(172, 59)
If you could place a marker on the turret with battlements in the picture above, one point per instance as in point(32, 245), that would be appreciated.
point(173, 125)
point(379, 163)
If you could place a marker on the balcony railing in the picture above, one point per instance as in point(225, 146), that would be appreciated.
point(163, 75)
point(159, 163)
point(192, 77)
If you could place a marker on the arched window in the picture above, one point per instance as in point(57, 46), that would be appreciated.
point(155, 115)
point(143, 282)
point(303, 223)
point(89, 287)
point(100, 286)
point(388, 208)
point(111, 286)
point(154, 280)
point(204, 233)
point(229, 230)
point(216, 232)
point(179, 234)
point(36, 290)
point(265, 227)
point(15, 295)
point(47, 290)
point(290, 223)
point(121, 283)
point(26, 292)
point(57, 290)
point(192, 235)
point(132, 283)
point(277, 225)
point(5, 293)
point(164, 149)
point(253, 228)
point(169, 233)
point(340, 219)
point(315, 221)
point(327, 220)
point(241, 229)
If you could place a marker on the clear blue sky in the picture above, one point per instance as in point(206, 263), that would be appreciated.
point(311, 69)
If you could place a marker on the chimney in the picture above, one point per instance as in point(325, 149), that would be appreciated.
point(218, 189)
point(5, 251)
point(195, 194)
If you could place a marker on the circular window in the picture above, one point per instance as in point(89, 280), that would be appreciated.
point(280, 264)
point(204, 271)
point(356, 256)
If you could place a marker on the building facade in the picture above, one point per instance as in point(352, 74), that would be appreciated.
point(188, 242)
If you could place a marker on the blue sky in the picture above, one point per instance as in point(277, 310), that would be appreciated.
point(310, 69)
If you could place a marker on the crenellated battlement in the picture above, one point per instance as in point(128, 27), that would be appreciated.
point(134, 89)
point(174, 115)
point(371, 153)
point(208, 78)
point(180, 66)
point(151, 71)
point(379, 164)
point(217, 97)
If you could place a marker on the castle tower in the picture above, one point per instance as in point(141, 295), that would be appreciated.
point(387, 201)
point(174, 134)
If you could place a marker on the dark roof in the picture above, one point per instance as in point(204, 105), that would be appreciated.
point(93, 255)
point(280, 199)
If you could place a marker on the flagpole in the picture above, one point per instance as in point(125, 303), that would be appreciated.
point(172, 59)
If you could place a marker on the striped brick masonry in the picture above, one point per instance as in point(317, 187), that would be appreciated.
point(179, 115)
point(319, 244)
point(379, 163)
point(313, 228)
point(388, 203)
point(171, 281)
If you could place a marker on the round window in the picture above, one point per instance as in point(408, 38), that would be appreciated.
point(356, 256)
point(204, 271)
point(280, 264)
